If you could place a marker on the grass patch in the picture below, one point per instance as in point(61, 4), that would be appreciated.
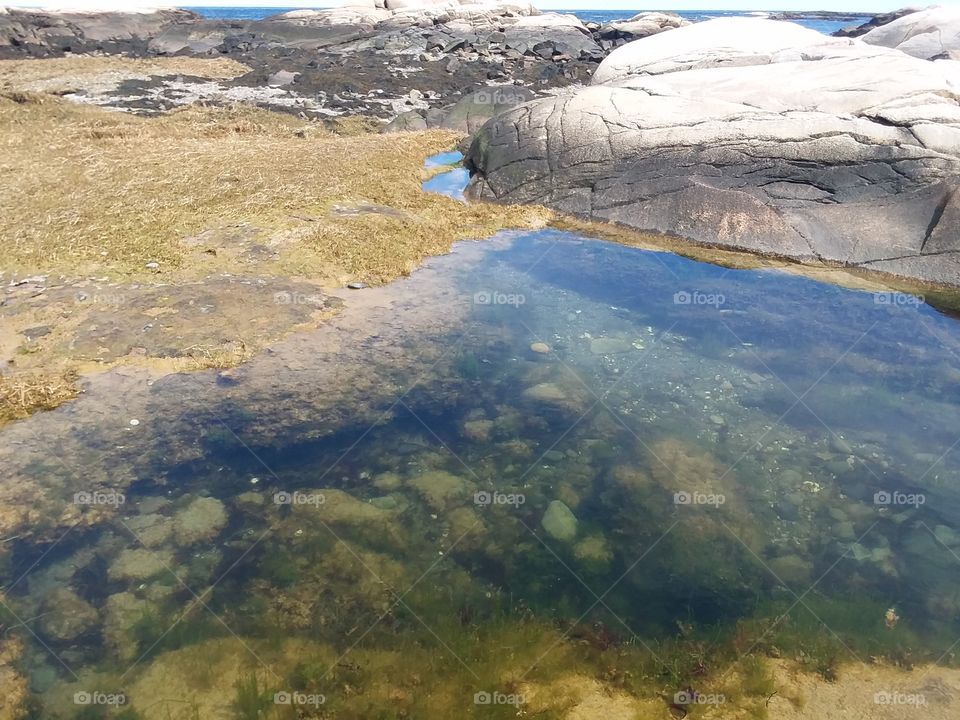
point(22, 395)
point(87, 190)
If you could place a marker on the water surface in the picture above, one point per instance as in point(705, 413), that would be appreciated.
point(541, 454)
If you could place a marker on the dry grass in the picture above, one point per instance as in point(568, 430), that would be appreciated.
point(213, 357)
point(85, 190)
point(24, 394)
point(57, 75)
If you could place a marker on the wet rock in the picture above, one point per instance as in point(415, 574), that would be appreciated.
point(844, 531)
point(139, 564)
point(540, 348)
point(200, 521)
point(440, 489)
point(593, 553)
point(151, 531)
point(947, 535)
point(559, 522)
point(123, 612)
point(477, 430)
point(66, 616)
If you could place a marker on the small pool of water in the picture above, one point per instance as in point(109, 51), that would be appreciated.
point(544, 454)
point(453, 182)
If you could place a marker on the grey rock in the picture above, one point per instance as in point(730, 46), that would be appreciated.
point(927, 34)
point(693, 133)
point(410, 121)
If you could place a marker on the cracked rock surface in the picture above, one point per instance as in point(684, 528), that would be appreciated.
point(754, 135)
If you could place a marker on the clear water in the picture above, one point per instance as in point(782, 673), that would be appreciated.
point(751, 462)
point(587, 15)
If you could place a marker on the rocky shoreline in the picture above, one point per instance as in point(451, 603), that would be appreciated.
point(353, 60)
point(853, 163)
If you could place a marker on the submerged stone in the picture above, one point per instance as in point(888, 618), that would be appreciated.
point(66, 616)
point(200, 521)
point(594, 553)
point(440, 489)
point(139, 564)
point(559, 522)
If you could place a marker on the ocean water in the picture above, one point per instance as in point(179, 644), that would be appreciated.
point(599, 16)
point(541, 456)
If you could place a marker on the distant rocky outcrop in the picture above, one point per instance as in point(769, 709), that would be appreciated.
point(754, 135)
point(928, 34)
point(874, 22)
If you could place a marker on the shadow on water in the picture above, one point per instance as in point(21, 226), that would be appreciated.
point(615, 448)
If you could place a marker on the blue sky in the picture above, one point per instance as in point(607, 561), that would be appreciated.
point(864, 6)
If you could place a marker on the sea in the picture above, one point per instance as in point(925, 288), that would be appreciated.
point(826, 26)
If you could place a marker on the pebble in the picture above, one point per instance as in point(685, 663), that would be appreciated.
point(152, 265)
point(134, 422)
point(356, 286)
point(540, 348)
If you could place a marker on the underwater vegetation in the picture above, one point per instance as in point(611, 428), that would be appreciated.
point(597, 501)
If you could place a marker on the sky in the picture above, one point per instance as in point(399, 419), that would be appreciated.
point(861, 6)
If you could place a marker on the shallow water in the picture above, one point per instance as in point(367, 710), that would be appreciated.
point(541, 441)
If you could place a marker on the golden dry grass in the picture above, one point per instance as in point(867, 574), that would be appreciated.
point(85, 190)
point(57, 75)
point(22, 395)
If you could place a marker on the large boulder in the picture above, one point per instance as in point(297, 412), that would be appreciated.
point(855, 161)
point(927, 34)
point(725, 42)
point(643, 25)
point(469, 114)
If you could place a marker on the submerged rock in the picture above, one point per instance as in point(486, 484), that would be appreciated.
point(139, 564)
point(66, 616)
point(593, 553)
point(440, 489)
point(200, 521)
point(559, 522)
point(693, 133)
